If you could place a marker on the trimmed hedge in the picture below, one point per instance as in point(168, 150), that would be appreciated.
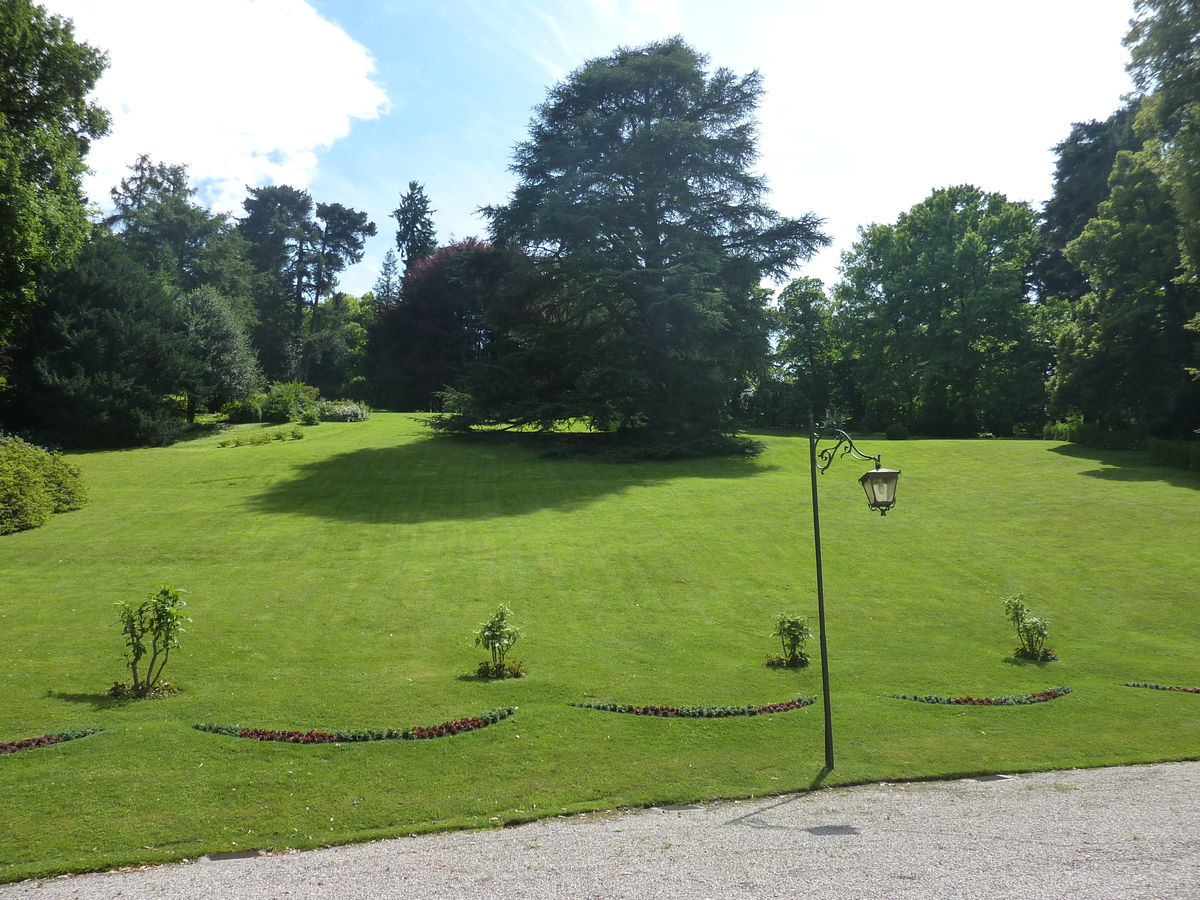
point(35, 483)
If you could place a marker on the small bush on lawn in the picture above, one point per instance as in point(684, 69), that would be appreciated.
point(792, 632)
point(156, 621)
point(498, 635)
point(896, 432)
point(1031, 630)
point(34, 484)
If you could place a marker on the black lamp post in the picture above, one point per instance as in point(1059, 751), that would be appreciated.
point(880, 487)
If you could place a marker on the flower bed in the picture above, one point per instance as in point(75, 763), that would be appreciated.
point(46, 740)
point(1019, 700)
point(1162, 687)
point(697, 712)
point(418, 732)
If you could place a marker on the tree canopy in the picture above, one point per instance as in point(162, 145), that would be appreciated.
point(935, 314)
point(46, 127)
point(639, 210)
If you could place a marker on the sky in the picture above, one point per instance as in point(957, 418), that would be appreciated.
point(869, 105)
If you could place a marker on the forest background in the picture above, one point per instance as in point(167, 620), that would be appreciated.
point(970, 314)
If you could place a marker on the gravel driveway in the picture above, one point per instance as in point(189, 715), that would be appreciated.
point(1094, 834)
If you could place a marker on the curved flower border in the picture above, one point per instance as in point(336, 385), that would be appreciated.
point(1161, 687)
point(417, 732)
point(1019, 700)
point(46, 740)
point(697, 712)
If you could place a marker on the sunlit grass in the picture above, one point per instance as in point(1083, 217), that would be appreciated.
point(335, 582)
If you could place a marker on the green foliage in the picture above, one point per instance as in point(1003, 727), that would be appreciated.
point(290, 401)
point(104, 358)
point(35, 483)
point(46, 127)
point(647, 236)
point(419, 347)
point(497, 635)
point(1175, 454)
point(1092, 435)
point(896, 432)
point(1031, 630)
point(935, 314)
point(244, 410)
point(150, 627)
point(792, 632)
point(343, 411)
point(1085, 159)
point(416, 237)
point(1122, 359)
point(262, 437)
point(297, 252)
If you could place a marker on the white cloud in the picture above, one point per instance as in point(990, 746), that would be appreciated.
point(241, 91)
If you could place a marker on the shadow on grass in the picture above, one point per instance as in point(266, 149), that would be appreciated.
point(1036, 663)
point(99, 701)
point(1128, 465)
point(466, 478)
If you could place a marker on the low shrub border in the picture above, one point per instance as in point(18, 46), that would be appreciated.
point(46, 739)
point(1161, 687)
point(697, 712)
point(1020, 700)
point(418, 732)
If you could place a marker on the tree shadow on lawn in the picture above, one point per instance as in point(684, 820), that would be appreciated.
point(476, 477)
point(1128, 465)
point(98, 701)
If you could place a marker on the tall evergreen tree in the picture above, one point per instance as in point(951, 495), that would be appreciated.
point(297, 258)
point(638, 206)
point(416, 237)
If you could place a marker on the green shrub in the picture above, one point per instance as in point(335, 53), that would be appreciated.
point(34, 484)
point(1091, 435)
point(244, 411)
point(343, 411)
point(262, 437)
point(287, 401)
point(1174, 454)
point(792, 632)
point(158, 619)
point(1031, 630)
point(498, 635)
point(896, 432)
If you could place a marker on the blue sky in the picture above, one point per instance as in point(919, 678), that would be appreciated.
point(869, 104)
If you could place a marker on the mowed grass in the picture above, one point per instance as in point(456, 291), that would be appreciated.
point(334, 583)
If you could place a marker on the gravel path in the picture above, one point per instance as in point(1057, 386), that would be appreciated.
point(1093, 835)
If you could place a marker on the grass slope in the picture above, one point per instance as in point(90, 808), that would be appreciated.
point(334, 583)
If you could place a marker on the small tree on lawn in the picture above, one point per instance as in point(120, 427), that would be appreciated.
point(151, 628)
point(1031, 630)
point(498, 635)
point(792, 632)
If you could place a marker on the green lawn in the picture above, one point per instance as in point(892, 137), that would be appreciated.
point(335, 581)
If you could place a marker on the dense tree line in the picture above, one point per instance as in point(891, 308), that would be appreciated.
point(971, 314)
point(623, 283)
